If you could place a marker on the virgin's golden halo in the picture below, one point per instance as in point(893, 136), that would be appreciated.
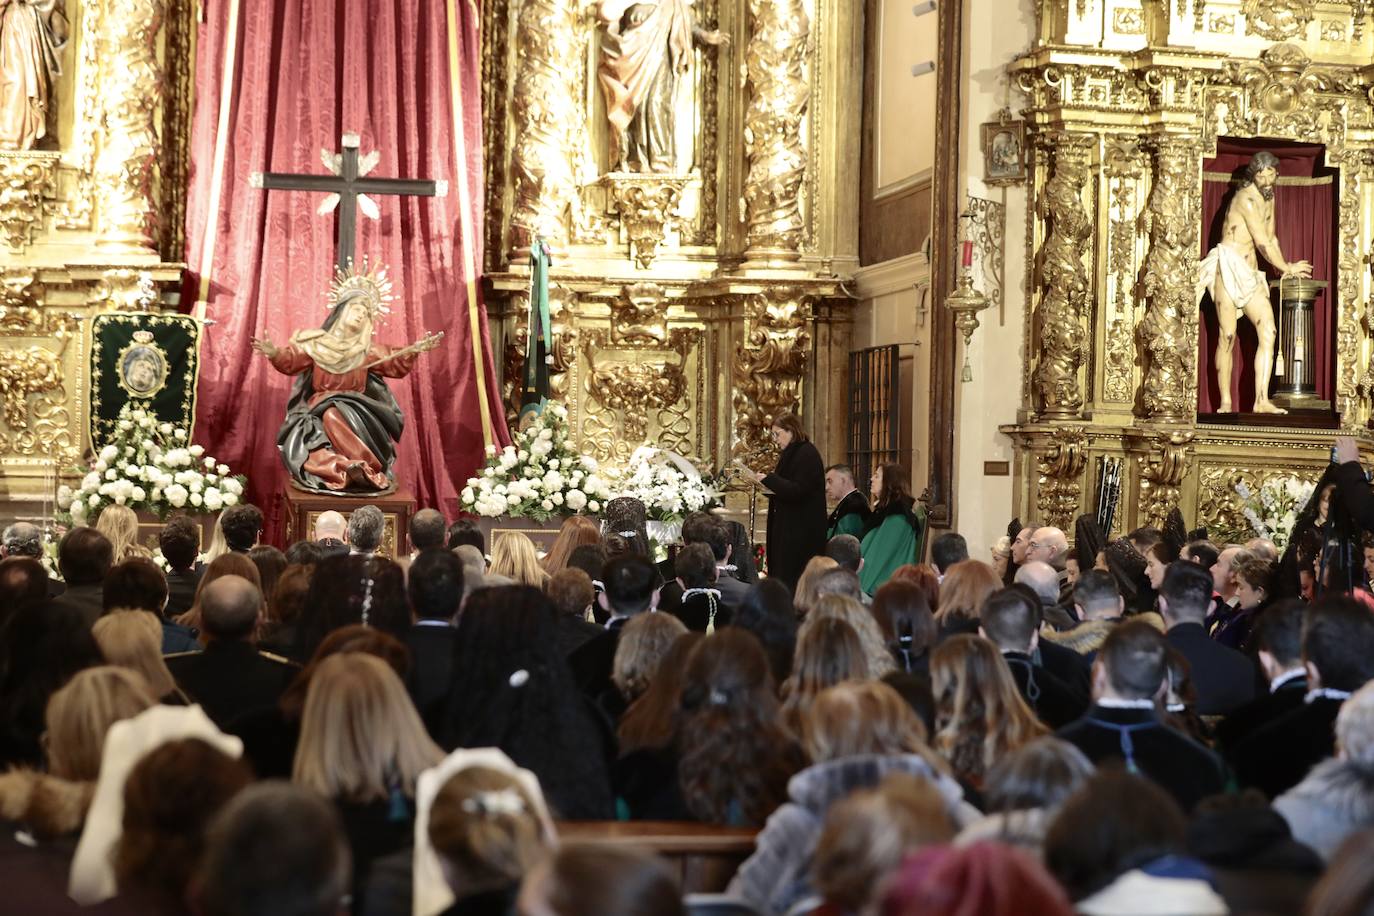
point(375, 286)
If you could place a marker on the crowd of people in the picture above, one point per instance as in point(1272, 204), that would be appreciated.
point(1148, 724)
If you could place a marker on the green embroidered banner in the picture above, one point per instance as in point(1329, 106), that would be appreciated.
point(149, 359)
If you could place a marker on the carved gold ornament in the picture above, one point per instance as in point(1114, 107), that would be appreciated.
point(547, 128)
point(1163, 468)
point(769, 370)
point(779, 95)
point(1168, 333)
point(1066, 284)
point(1278, 20)
point(1061, 472)
point(127, 164)
point(28, 181)
point(647, 205)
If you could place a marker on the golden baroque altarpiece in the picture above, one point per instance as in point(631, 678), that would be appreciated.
point(691, 304)
point(87, 219)
point(1124, 100)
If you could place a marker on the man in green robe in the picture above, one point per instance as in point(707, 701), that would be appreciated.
point(851, 506)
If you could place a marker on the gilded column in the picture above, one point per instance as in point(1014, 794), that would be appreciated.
point(1065, 283)
point(769, 369)
point(132, 86)
point(778, 99)
point(1167, 332)
point(545, 110)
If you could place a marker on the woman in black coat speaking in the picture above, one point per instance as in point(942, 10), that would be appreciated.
point(796, 506)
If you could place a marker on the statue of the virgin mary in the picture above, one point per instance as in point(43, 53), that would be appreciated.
point(342, 422)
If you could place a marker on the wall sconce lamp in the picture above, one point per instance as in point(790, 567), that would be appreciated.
point(965, 301)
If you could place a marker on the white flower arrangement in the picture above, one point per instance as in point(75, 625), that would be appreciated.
point(669, 485)
point(151, 466)
point(539, 476)
point(1273, 509)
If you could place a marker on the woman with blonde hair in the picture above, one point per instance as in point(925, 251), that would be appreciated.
point(229, 564)
point(133, 640)
point(120, 525)
point(876, 652)
point(218, 546)
point(363, 745)
point(855, 734)
point(962, 592)
point(644, 641)
point(805, 597)
point(54, 803)
point(829, 652)
point(513, 556)
point(979, 714)
point(575, 531)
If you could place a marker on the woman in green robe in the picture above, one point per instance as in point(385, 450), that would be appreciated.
point(893, 534)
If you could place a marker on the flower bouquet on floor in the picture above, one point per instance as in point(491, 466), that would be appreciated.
point(1272, 510)
point(670, 486)
point(538, 477)
point(150, 466)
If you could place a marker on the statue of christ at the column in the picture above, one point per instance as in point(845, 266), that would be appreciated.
point(342, 422)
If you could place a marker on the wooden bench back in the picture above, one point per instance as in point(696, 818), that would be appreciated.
point(704, 857)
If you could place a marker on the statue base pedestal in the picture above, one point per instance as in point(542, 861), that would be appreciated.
point(302, 509)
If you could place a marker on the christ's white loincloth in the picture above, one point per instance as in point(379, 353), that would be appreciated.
point(1238, 277)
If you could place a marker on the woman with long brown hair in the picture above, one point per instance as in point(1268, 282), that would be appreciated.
point(796, 501)
point(805, 596)
point(966, 586)
point(893, 536)
point(829, 652)
point(734, 757)
point(979, 715)
point(904, 615)
point(575, 531)
point(645, 775)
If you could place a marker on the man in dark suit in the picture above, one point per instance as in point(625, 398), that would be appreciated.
point(1073, 670)
point(242, 527)
point(179, 540)
point(231, 677)
point(84, 556)
point(948, 549)
point(851, 512)
point(703, 528)
point(25, 540)
point(631, 582)
point(1225, 679)
point(1011, 621)
point(1124, 724)
point(1338, 653)
point(1278, 634)
point(435, 585)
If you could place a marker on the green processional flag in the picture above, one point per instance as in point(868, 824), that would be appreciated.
point(146, 359)
point(535, 391)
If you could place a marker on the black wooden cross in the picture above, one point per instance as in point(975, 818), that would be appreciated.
point(348, 188)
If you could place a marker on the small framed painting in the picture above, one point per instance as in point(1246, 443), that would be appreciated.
point(1004, 151)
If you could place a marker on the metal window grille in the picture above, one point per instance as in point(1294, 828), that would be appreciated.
point(874, 410)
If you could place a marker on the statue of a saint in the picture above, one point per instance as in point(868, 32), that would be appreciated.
point(1231, 273)
point(32, 33)
point(342, 422)
point(646, 47)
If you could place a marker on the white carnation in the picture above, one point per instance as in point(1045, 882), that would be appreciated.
point(547, 505)
point(90, 481)
point(196, 499)
point(176, 495)
point(223, 469)
point(111, 474)
point(64, 497)
point(165, 429)
point(230, 499)
point(195, 450)
point(138, 494)
point(109, 453)
point(576, 500)
point(94, 501)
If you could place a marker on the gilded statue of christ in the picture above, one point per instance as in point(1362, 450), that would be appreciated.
point(1231, 273)
point(646, 47)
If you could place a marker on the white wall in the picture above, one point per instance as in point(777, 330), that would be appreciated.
point(904, 146)
point(983, 505)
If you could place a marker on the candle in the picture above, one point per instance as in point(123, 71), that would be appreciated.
point(968, 254)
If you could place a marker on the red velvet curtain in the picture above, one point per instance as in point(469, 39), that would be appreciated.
point(277, 81)
point(1305, 217)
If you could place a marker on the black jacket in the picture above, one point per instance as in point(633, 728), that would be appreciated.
point(431, 667)
point(796, 511)
point(1049, 698)
point(1073, 670)
point(1178, 764)
point(1261, 711)
point(854, 503)
point(1225, 680)
point(181, 591)
point(1354, 493)
point(1276, 757)
point(231, 678)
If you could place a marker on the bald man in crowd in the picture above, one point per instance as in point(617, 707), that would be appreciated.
point(231, 677)
point(330, 531)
